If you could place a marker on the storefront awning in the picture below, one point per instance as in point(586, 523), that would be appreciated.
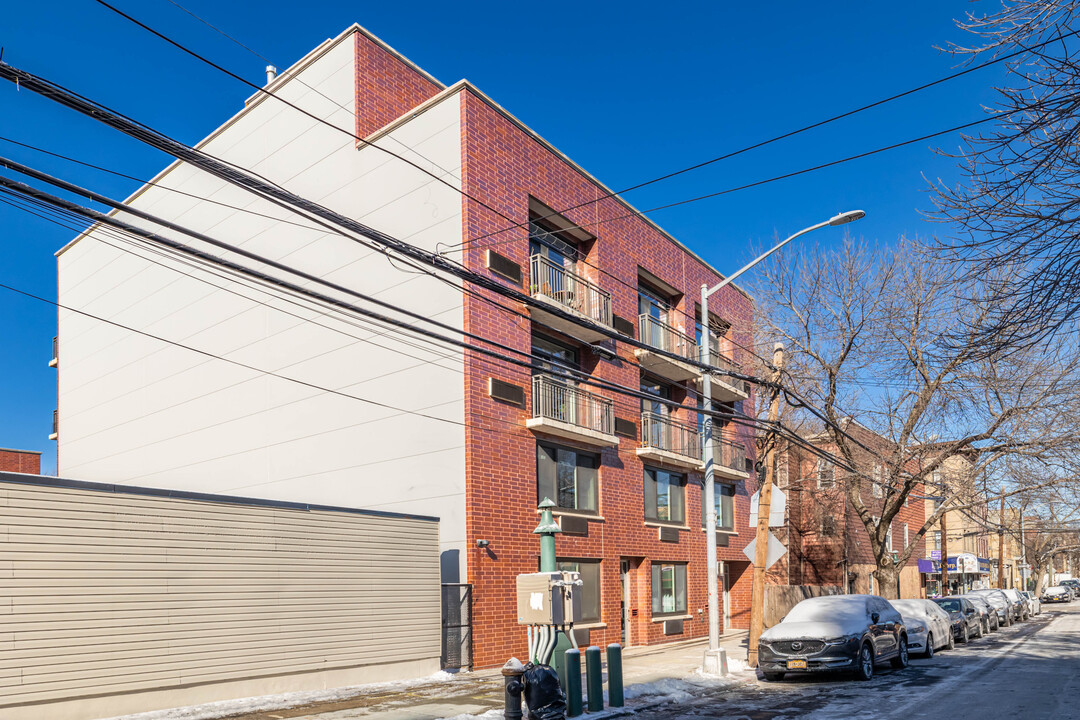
point(967, 563)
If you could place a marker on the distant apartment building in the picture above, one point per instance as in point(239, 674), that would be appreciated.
point(387, 420)
point(961, 540)
point(1005, 562)
point(827, 542)
point(20, 461)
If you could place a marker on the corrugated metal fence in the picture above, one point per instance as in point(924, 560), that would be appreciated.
point(140, 599)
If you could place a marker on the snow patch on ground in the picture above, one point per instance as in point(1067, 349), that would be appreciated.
point(211, 711)
point(736, 665)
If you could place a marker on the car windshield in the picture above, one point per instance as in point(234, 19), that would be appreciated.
point(949, 605)
point(821, 609)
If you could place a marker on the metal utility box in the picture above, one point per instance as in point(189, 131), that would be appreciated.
point(549, 598)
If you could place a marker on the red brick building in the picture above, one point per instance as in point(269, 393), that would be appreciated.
point(827, 542)
point(20, 461)
point(625, 471)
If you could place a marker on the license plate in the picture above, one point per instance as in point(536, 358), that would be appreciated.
point(796, 664)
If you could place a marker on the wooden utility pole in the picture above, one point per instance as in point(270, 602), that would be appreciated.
point(944, 554)
point(761, 548)
point(1001, 544)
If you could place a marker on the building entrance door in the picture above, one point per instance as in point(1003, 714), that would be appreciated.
point(725, 585)
point(624, 604)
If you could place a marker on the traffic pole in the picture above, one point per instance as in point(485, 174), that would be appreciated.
point(761, 548)
point(1001, 545)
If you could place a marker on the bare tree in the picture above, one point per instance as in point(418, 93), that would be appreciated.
point(866, 331)
point(1016, 211)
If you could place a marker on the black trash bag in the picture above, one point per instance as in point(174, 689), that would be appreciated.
point(543, 694)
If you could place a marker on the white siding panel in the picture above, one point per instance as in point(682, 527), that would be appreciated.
point(118, 592)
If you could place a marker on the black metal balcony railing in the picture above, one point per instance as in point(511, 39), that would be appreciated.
point(557, 400)
point(728, 454)
point(662, 433)
point(567, 288)
point(660, 335)
point(722, 362)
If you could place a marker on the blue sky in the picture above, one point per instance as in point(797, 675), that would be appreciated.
point(627, 92)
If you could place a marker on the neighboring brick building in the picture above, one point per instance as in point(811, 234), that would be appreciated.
point(20, 461)
point(625, 473)
point(827, 542)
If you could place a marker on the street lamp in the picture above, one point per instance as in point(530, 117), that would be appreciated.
point(712, 655)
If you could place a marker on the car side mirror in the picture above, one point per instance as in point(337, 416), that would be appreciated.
point(874, 617)
point(970, 612)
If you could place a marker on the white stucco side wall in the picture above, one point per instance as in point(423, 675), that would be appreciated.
point(376, 419)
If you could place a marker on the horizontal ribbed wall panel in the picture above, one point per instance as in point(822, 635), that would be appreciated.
point(112, 592)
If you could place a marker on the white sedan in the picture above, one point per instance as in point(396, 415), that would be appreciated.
point(929, 627)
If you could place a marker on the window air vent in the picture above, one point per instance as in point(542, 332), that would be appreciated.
point(574, 525)
point(673, 627)
point(669, 534)
point(622, 325)
point(506, 392)
point(722, 539)
point(626, 428)
point(504, 266)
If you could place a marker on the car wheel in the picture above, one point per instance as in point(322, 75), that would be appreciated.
point(952, 642)
point(929, 645)
point(901, 660)
point(774, 677)
point(964, 636)
point(865, 670)
point(997, 625)
point(1008, 621)
point(980, 633)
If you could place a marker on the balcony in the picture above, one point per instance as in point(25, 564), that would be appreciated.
point(55, 354)
point(662, 336)
point(729, 459)
point(668, 442)
point(559, 287)
point(724, 387)
point(563, 410)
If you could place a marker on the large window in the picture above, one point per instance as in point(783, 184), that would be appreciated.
point(826, 477)
point(665, 496)
point(725, 506)
point(668, 589)
point(590, 586)
point(568, 477)
point(550, 354)
point(557, 247)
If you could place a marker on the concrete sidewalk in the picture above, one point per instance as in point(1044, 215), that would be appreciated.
point(474, 693)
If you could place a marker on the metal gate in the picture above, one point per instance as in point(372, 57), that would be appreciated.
point(457, 626)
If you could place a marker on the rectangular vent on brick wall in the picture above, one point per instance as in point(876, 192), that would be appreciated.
point(673, 627)
point(722, 539)
point(669, 534)
point(626, 428)
point(621, 324)
point(504, 266)
point(506, 392)
point(574, 525)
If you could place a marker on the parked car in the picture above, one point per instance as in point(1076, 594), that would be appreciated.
point(1073, 585)
point(929, 627)
point(1056, 594)
point(987, 615)
point(1019, 602)
point(1033, 602)
point(964, 619)
point(834, 633)
point(1001, 604)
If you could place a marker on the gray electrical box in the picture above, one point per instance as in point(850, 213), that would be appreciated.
point(549, 598)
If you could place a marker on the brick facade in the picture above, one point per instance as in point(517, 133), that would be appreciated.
point(20, 461)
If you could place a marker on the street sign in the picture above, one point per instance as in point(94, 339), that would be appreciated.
point(935, 555)
point(777, 508)
point(776, 550)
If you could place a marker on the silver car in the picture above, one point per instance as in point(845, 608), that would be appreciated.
point(988, 617)
point(1001, 603)
point(929, 627)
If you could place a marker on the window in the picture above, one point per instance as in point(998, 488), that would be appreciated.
point(906, 539)
point(590, 586)
point(665, 496)
point(653, 304)
point(826, 474)
point(828, 525)
point(878, 490)
point(545, 240)
point(668, 589)
point(568, 477)
point(888, 538)
point(552, 354)
point(937, 540)
point(725, 506)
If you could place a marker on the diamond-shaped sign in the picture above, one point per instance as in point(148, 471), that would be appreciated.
point(775, 552)
point(777, 508)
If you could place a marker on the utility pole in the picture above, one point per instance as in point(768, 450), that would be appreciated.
point(761, 548)
point(1001, 544)
point(1023, 553)
point(944, 554)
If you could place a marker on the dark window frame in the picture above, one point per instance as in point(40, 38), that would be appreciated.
point(678, 586)
point(592, 596)
point(651, 491)
point(549, 487)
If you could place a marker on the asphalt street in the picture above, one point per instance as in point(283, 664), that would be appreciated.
point(1030, 671)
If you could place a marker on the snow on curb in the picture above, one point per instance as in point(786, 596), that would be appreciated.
point(223, 708)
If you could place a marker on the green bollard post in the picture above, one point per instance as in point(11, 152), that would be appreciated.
point(594, 679)
point(573, 682)
point(614, 675)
